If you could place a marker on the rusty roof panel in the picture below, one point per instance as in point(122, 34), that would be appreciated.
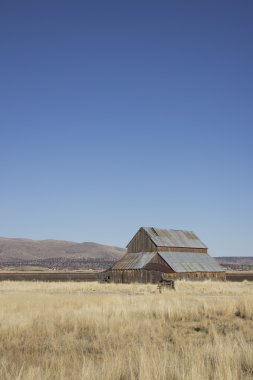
point(134, 260)
point(174, 238)
point(191, 262)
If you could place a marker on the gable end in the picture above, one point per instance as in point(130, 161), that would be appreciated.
point(141, 242)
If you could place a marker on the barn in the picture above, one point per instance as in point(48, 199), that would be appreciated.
point(155, 254)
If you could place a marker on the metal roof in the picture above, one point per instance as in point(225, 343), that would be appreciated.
point(174, 238)
point(178, 261)
point(134, 260)
point(190, 262)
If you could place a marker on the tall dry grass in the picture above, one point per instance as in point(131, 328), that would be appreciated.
point(202, 331)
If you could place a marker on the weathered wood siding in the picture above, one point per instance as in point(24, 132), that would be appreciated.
point(158, 264)
point(153, 276)
point(177, 249)
point(127, 276)
point(196, 276)
point(141, 242)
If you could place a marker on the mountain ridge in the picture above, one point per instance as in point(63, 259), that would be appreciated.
point(13, 249)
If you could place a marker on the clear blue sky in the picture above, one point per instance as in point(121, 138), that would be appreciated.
point(115, 115)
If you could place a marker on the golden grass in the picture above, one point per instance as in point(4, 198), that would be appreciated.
point(202, 331)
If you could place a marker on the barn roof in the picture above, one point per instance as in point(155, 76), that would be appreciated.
point(191, 262)
point(178, 261)
point(174, 238)
point(134, 260)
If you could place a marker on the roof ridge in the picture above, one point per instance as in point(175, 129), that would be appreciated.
point(168, 229)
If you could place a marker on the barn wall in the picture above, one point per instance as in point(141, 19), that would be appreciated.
point(176, 249)
point(158, 264)
point(130, 276)
point(141, 242)
point(152, 276)
point(195, 276)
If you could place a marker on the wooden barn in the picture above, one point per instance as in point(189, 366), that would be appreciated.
point(155, 255)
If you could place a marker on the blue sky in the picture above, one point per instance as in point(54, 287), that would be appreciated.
point(118, 114)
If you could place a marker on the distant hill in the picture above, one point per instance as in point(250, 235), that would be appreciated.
point(236, 262)
point(64, 254)
point(15, 250)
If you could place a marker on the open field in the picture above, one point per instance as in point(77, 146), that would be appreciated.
point(92, 331)
point(50, 276)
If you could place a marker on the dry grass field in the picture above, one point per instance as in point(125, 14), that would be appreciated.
point(201, 331)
